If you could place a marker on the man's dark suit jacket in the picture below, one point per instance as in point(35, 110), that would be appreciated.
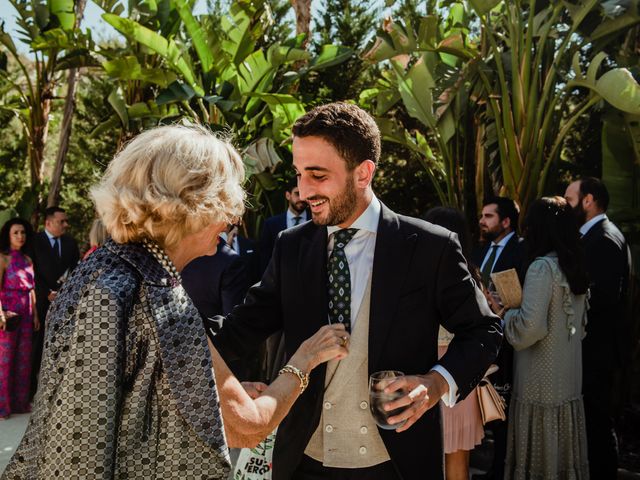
point(419, 280)
point(270, 230)
point(608, 332)
point(512, 256)
point(251, 257)
point(49, 267)
point(216, 283)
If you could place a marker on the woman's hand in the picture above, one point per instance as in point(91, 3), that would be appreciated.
point(254, 389)
point(36, 323)
point(328, 343)
point(6, 314)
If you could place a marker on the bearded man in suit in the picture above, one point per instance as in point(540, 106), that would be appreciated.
point(501, 249)
point(391, 280)
point(604, 349)
point(55, 254)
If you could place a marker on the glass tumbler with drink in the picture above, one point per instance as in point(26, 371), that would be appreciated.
point(378, 381)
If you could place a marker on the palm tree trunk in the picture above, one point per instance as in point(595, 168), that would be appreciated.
point(303, 18)
point(67, 121)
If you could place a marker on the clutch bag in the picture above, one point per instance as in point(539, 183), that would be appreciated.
point(492, 405)
point(12, 323)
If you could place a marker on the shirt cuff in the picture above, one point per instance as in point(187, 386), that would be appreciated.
point(451, 397)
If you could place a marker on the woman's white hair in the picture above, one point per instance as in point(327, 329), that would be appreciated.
point(97, 234)
point(169, 182)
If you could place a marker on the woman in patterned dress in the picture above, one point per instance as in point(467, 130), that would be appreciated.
point(128, 389)
point(546, 437)
point(17, 297)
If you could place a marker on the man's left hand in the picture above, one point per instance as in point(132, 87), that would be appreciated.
point(425, 391)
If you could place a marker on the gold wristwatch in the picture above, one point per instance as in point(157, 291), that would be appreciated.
point(303, 377)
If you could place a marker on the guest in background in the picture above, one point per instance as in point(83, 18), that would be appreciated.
point(97, 237)
point(248, 251)
point(295, 215)
point(216, 284)
point(18, 317)
point(547, 436)
point(606, 347)
point(501, 249)
point(462, 423)
point(55, 254)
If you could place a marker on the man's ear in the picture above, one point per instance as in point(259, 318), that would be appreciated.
point(506, 222)
point(588, 201)
point(364, 173)
point(287, 195)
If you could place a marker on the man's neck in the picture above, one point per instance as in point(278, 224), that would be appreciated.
point(362, 202)
point(501, 237)
point(592, 214)
point(296, 213)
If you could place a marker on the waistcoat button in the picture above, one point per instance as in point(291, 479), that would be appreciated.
point(328, 428)
point(363, 430)
point(362, 450)
point(364, 405)
point(327, 405)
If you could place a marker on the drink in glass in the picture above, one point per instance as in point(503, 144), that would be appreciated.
point(378, 398)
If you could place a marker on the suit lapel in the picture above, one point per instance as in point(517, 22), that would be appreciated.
point(312, 273)
point(504, 260)
point(393, 253)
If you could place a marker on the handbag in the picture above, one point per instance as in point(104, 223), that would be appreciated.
point(12, 323)
point(492, 405)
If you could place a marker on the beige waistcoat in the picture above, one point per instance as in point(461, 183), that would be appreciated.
point(347, 436)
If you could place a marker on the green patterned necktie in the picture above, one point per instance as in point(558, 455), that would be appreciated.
point(339, 285)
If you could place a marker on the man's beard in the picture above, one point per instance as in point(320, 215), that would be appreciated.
point(491, 235)
point(340, 208)
point(580, 214)
point(298, 207)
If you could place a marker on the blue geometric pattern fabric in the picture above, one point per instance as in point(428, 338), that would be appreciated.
point(339, 281)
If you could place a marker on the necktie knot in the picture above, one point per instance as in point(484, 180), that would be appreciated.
point(343, 237)
point(56, 246)
point(296, 220)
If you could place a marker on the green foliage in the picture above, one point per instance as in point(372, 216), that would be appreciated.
point(348, 23)
point(227, 77)
point(88, 155)
point(518, 70)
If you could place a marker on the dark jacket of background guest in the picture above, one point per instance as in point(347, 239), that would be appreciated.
point(270, 230)
point(216, 283)
point(49, 267)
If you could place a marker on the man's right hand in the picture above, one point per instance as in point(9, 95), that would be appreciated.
point(52, 295)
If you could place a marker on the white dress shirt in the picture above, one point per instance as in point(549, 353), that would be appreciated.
point(584, 229)
point(501, 244)
point(360, 252)
point(290, 217)
point(52, 239)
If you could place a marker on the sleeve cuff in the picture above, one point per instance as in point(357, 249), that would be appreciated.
point(451, 397)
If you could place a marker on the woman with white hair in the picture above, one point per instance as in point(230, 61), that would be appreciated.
point(127, 388)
